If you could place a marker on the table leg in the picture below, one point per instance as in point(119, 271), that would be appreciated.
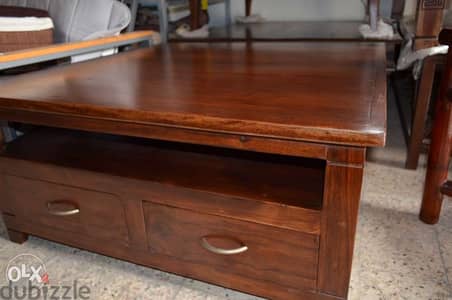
point(398, 7)
point(248, 6)
point(438, 162)
point(2, 138)
point(342, 193)
point(374, 8)
point(17, 236)
point(420, 113)
point(195, 10)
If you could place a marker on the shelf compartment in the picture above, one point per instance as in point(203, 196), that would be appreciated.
point(273, 178)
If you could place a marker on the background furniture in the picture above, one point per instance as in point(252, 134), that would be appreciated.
point(298, 31)
point(423, 97)
point(195, 9)
point(436, 184)
point(267, 209)
point(423, 33)
point(429, 20)
point(77, 20)
point(162, 8)
point(24, 32)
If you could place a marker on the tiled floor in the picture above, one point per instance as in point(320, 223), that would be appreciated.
point(396, 256)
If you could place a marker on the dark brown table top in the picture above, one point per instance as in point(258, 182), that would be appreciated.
point(322, 92)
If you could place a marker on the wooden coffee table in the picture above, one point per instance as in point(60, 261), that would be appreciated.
point(236, 164)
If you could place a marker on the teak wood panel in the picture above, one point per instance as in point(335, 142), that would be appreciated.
point(48, 154)
point(283, 257)
point(343, 182)
point(233, 141)
point(32, 199)
point(328, 92)
point(163, 262)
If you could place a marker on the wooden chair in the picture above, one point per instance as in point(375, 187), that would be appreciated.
point(436, 183)
point(425, 29)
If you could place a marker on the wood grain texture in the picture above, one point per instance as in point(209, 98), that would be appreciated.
point(440, 147)
point(29, 199)
point(339, 217)
point(422, 105)
point(68, 162)
point(278, 256)
point(429, 20)
point(233, 141)
point(269, 178)
point(201, 87)
point(166, 263)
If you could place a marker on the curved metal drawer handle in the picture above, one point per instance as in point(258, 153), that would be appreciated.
point(206, 245)
point(62, 213)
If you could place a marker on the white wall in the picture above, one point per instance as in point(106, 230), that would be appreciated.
point(287, 10)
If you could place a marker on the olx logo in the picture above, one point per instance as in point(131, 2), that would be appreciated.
point(27, 267)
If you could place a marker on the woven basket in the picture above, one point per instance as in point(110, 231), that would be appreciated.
point(19, 40)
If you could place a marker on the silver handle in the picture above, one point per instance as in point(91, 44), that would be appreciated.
point(62, 213)
point(206, 245)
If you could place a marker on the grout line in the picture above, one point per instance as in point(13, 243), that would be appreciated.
point(441, 255)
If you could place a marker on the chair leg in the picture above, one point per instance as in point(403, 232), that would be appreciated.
point(438, 163)
point(133, 11)
point(163, 20)
point(227, 14)
point(248, 5)
point(420, 113)
point(2, 139)
point(374, 8)
point(195, 11)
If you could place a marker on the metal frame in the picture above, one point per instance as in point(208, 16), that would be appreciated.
point(72, 52)
point(163, 15)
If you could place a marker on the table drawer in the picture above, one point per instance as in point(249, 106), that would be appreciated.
point(239, 248)
point(94, 214)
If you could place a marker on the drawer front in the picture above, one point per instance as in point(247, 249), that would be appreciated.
point(240, 249)
point(91, 213)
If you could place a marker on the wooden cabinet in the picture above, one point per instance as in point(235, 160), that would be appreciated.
point(236, 164)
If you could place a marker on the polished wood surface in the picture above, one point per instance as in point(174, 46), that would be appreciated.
point(85, 168)
point(429, 20)
point(282, 257)
point(440, 148)
point(105, 154)
point(296, 91)
point(298, 115)
point(51, 199)
point(339, 217)
point(422, 104)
